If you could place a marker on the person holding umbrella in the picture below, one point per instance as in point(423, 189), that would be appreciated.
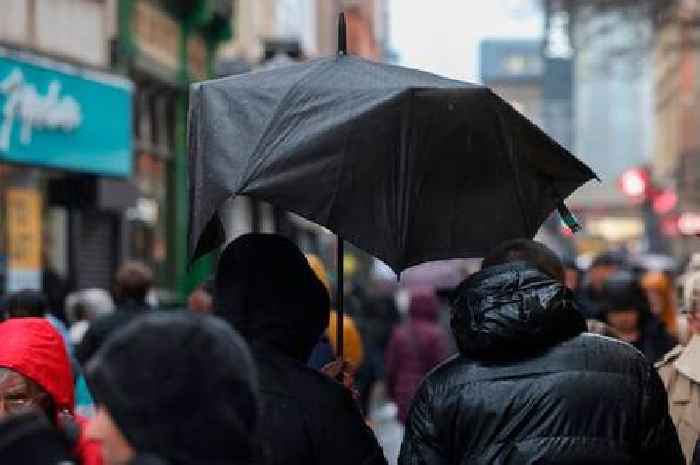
point(267, 291)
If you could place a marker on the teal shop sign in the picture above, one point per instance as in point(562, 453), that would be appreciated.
point(60, 116)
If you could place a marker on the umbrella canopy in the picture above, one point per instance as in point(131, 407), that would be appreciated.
point(404, 164)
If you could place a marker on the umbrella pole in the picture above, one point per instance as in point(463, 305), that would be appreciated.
point(342, 50)
point(339, 296)
point(342, 35)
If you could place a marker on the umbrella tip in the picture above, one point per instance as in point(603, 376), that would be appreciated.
point(568, 218)
point(342, 36)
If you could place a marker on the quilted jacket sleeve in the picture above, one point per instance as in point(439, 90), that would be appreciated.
point(421, 445)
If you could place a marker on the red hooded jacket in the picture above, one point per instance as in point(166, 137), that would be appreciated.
point(35, 350)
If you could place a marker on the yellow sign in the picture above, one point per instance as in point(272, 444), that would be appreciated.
point(24, 229)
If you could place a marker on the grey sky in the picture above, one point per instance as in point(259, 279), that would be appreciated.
point(442, 36)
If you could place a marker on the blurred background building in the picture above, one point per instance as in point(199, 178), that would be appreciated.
point(93, 149)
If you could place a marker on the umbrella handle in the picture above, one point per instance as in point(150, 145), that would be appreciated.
point(568, 217)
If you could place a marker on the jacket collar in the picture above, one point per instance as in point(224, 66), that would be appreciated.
point(688, 364)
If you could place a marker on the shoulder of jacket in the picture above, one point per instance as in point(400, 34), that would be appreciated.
point(669, 357)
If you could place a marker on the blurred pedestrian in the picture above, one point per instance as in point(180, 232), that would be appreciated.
point(380, 317)
point(680, 373)
point(415, 348)
point(35, 373)
point(133, 282)
point(177, 388)
point(626, 309)
point(85, 306)
point(55, 289)
point(266, 289)
point(590, 294)
point(29, 303)
point(661, 294)
point(530, 386)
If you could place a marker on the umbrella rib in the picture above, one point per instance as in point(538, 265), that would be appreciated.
point(507, 136)
point(251, 171)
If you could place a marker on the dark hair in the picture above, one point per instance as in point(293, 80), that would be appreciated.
point(26, 304)
point(623, 291)
point(610, 258)
point(526, 250)
point(133, 281)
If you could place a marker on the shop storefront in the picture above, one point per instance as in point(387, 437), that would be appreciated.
point(65, 163)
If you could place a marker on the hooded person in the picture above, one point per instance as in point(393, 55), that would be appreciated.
point(626, 309)
point(175, 389)
point(266, 289)
point(35, 372)
point(415, 348)
point(529, 386)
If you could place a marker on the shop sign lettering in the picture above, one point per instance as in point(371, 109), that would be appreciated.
point(26, 106)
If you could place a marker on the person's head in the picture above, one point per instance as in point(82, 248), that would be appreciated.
point(200, 301)
point(624, 303)
point(602, 267)
point(526, 250)
point(88, 304)
point(132, 282)
point(34, 369)
point(515, 306)
point(692, 302)
point(266, 289)
point(19, 394)
point(182, 387)
point(26, 304)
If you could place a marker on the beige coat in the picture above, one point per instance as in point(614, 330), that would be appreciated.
point(680, 373)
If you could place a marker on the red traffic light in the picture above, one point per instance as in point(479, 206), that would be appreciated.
point(634, 182)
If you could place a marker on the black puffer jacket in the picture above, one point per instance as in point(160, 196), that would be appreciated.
point(530, 388)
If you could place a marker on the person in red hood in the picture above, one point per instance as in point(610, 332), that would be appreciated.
point(35, 373)
point(414, 349)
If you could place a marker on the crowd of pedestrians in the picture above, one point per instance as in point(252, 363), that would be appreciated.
point(528, 360)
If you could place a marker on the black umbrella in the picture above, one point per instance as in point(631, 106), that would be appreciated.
point(406, 165)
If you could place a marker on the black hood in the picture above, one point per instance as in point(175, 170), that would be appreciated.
point(180, 386)
point(512, 311)
point(266, 289)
